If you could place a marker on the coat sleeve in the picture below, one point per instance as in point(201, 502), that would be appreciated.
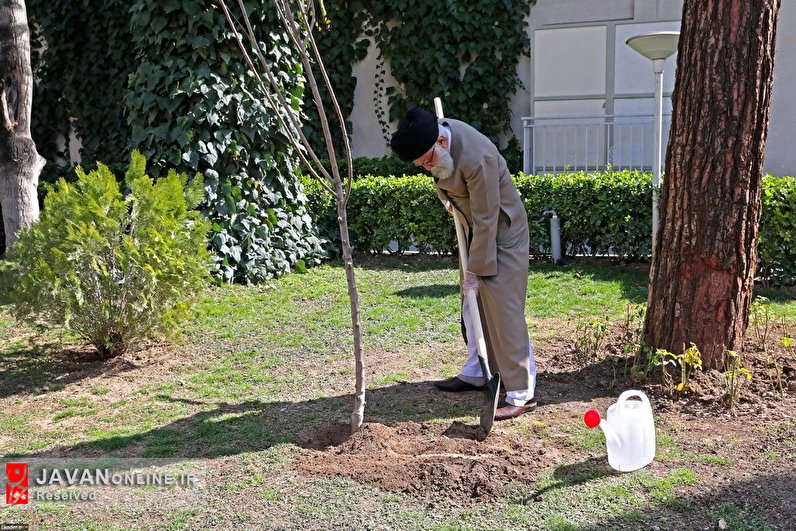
point(484, 191)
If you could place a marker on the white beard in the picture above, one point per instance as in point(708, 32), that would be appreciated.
point(444, 166)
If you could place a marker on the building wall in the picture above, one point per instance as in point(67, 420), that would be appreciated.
point(780, 153)
point(580, 64)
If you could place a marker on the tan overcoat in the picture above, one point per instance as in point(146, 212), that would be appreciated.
point(481, 188)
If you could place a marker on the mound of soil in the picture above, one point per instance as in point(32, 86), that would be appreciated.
point(455, 461)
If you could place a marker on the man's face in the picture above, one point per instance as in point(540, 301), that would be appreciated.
point(437, 160)
point(427, 159)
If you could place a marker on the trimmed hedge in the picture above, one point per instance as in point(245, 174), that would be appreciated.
point(384, 209)
point(601, 213)
point(777, 238)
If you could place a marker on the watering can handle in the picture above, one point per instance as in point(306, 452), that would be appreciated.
point(631, 393)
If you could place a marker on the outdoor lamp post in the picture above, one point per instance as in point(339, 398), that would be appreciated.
point(657, 47)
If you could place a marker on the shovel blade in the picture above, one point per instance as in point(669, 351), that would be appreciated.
point(488, 408)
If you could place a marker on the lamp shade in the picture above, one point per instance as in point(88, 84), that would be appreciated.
point(656, 45)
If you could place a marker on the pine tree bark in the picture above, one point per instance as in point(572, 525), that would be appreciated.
point(20, 163)
point(703, 267)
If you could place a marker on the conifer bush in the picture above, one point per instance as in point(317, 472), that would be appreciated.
point(114, 268)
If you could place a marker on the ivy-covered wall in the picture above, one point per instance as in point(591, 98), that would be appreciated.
point(164, 77)
point(82, 53)
point(466, 52)
point(193, 106)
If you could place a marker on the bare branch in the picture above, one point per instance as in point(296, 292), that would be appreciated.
point(294, 31)
point(300, 36)
point(338, 111)
point(292, 130)
point(285, 105)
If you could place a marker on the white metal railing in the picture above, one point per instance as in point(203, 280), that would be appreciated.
point(553, 144)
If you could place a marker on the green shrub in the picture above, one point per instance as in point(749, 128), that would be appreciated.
point(114, 269)
point(599, 213)
point(777, 245)
point(384, 209)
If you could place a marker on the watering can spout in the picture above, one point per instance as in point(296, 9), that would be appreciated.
point(592, 419)
point(610, 433)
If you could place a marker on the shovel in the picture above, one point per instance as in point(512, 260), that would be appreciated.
point(492, 386)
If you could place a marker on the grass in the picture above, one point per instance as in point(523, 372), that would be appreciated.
point(259, 364)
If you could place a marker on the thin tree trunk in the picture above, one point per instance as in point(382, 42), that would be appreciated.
point(20, 163)
point(704, 263)
point(358, 413)
point(299, 27)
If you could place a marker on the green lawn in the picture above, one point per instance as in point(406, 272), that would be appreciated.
point(221, 394)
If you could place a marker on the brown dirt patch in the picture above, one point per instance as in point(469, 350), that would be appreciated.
point(455, 461)
point(430, 460)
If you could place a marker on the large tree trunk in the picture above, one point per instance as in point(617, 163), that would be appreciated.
point(20, 163)
point(704, 261)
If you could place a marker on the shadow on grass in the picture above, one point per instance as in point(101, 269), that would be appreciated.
point(50, 366)
point(570, 475)
point(780, 294)
point(221, 429)
point(763, 503)
point(429, 291)
point(633, 279)
point(409, 262)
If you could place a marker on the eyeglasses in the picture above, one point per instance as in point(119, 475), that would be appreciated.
point(430, 158)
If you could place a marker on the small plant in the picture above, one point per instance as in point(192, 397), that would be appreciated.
point(687, 362)
point(662, 358)
point(690, 360)
point(633, 326)
point(734, 378)
point(589, 335)
point(760, 315)
point(789, 343)
point(114, 269)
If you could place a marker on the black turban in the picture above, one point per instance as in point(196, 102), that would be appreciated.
point(416, 133)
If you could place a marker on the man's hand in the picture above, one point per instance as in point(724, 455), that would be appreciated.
point(472, 282)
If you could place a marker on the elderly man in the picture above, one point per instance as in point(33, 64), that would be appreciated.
point(471, 176)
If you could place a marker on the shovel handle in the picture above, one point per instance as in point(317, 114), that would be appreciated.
point(492, 383)
point(472, 299)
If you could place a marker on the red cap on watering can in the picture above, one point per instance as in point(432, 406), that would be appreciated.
point(591, 418)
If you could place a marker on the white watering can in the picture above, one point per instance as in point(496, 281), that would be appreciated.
point(629, 431)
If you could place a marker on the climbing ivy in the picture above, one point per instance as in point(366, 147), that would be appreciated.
point(81, 55)
point(194, 106)
point(464, 52)
point(163, 77)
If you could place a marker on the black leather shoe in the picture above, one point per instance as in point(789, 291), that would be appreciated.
point(455, 385)
point(506, 411)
